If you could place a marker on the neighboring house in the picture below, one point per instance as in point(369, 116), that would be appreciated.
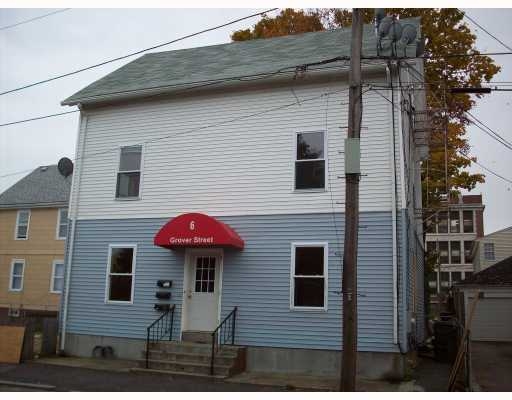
point(450, 234)
point(220, 171)
point(492, 320)
point(492, 248)
point(33, 227)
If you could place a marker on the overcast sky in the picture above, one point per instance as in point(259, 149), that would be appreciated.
point(80, 37)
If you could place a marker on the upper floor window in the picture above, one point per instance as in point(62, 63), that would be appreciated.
point(62, 223)
point(22, 222)
point(454, 222)
point(467, 221)
point(309, 276)
point(444, 257)
point(489, 252)
point(455, 256)
point(128, 175)
point(121, 268)
point(310, 161)
point(17, 272)
point(442, 225)
point(468, 246)
point(57, 283)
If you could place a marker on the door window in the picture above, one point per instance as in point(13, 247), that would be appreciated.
point(205, 275)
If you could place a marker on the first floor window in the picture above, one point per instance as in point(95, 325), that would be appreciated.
point(309, 275)
point(120, 273)
point(310, 161)
point(489, 251)
point(443, 253)
point(22, 221)
point(17, 272)
point(57, 277)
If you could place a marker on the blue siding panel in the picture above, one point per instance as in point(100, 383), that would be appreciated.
point(257, 280)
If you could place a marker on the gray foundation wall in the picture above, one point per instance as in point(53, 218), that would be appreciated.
point(371, 365)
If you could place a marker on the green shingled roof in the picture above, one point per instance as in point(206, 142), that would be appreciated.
point(43, 187)
point(165, 70)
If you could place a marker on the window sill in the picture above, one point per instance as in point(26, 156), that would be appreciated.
point(15, 290)
point(126, 198)
point(21, 238)
point(128, 303)
point(55, 292)
point(309, 191)
point(309, 309)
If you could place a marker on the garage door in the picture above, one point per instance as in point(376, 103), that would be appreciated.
point(493, 320)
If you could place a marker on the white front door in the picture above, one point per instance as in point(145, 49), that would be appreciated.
point(202, 290)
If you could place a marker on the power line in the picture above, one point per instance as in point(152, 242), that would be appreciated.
point(34, 19)
point(135, 53)
point(483, 166)
point(506, 142)
point(486, 31)
point(37, 118)
point(194, 130)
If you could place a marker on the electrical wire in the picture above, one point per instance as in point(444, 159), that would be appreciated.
point(195, 130)
point(38, 118)
point(486, 31)
point(34, 19)
point(135, 52)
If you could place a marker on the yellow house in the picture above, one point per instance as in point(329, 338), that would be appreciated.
point(33, 228)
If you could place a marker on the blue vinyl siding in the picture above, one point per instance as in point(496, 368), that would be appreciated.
point(257, 280)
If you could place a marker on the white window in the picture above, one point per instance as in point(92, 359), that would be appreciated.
point(22, 221)
point(310, 160)
point(120, 273)
point(57, 283)
point(128, 175)
point(62, 223)
point(309, 266)
point(17, 272)
point(489, 252)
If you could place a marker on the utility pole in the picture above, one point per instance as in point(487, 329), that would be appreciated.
point(352, 175)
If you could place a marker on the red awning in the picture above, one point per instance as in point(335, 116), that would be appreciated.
point(197, 230)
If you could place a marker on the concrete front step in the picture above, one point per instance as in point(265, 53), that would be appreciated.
point(220, 358)
point(191, 348)
point(187, 367)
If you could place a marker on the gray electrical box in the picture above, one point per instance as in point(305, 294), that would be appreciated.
point(352, 156)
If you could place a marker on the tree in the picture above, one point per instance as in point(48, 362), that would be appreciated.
point(446, 35)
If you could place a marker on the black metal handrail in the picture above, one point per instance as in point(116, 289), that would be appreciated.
point(159, 328)
point(222, 334)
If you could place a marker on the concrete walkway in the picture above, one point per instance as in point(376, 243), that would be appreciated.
point(492, 365)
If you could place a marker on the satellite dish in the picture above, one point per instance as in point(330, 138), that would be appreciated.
point(384, 26)
point(409, 33)
point(395, 31)
point(65, 167)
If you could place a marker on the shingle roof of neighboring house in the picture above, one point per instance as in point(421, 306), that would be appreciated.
point(160, 72)
point(499, 274)
point(44, 186)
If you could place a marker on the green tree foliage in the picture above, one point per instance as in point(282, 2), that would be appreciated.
point(446, 35)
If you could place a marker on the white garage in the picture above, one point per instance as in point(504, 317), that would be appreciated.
point(492, 320)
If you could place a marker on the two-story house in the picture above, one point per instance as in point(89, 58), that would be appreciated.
point(492, 248)
point(451, 233)
point(211, 179)
point(33, 228)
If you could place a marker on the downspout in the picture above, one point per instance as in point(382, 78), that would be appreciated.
point(82, 127)
point(393, 217)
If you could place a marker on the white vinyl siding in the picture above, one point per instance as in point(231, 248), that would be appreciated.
point(17, 274)
point(22, 225)
point(238, 168)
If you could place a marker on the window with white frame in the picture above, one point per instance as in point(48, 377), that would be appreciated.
point(489, 252)
point(22, 221)
point(17, 272)
point(62, 223)
point(310, 160)
point(128, 175)
point(57, 283)
point(309, 276)
point(121, 268)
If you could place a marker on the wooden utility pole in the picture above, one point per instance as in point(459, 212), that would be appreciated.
point(352, 174)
